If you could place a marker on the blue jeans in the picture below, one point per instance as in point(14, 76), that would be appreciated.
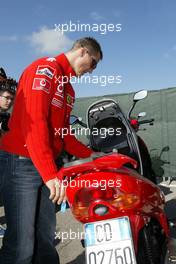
point(30, 215)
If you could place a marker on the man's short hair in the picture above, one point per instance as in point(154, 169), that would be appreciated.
point(90, 43)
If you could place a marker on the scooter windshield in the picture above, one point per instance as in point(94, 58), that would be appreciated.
point(109, 129)
point(109, 133)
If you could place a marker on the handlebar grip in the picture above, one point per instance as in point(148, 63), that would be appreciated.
point(82, 124)
point(147, 121)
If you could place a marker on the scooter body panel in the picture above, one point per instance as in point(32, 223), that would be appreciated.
point(121, 190)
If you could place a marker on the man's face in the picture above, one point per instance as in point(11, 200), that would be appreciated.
point(86, 62)
point(6, 100)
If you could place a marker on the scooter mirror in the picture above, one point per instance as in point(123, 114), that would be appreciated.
point(140, 95)
point(73, 119)
point(165, 149)
point(142, 114)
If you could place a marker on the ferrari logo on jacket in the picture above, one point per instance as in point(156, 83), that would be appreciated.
point(69, 100)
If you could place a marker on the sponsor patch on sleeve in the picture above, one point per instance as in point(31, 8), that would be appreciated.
point(41, 84)
point(56, 102)
point(45, 70)
point(51, 59)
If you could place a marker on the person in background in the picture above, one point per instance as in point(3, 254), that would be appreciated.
point(7, 94)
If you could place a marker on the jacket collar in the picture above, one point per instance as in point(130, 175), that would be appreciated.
point(65, 65)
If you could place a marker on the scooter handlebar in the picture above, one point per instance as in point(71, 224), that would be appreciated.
point(146, 121)
point(82, 124)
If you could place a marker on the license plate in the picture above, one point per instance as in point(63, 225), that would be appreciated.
point(109, 242)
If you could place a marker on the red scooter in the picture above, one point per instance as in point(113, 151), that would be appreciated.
point(122, 212)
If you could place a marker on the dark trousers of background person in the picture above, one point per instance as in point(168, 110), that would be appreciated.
point(30, 215)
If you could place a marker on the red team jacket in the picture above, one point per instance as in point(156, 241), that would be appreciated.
point(41, 110)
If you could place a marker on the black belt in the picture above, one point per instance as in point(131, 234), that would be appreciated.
point(22, 157)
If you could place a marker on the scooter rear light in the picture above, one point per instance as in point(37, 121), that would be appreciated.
point(113, 198)
point(125, 201)
point(87, 196)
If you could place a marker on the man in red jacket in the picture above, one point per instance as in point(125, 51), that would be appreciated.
point(30, 148)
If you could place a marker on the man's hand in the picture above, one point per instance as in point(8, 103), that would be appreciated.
point(57, 191)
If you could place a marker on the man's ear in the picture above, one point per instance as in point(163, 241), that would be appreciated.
point(82, 51)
